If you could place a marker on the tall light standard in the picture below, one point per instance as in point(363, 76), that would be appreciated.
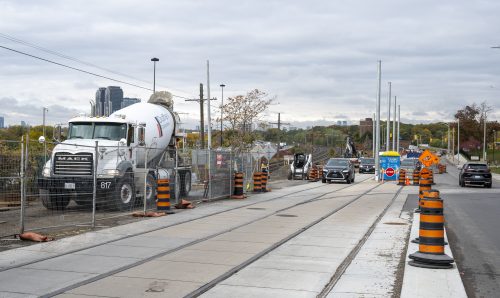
point(377, 131)
point(221, 107)
point(484, 138)
point(154, 72)
point(388, 136)
point(43, 133)
point(494, 145)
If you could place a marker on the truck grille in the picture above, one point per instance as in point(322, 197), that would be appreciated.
point(79, 164)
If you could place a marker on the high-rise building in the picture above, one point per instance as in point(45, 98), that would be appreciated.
point(2, 122)
point(23, 124)
point(114, 98)
point(129, 101)
point(100, 101)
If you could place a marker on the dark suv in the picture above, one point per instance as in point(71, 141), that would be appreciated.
point(367, 165)
point(475, 174)
point(338, 169)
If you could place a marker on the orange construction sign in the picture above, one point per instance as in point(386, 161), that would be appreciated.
point(427, 158)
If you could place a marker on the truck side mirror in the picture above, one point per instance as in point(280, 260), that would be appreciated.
point(141, 135)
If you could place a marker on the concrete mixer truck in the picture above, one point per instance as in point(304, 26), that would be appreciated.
point(125, 153)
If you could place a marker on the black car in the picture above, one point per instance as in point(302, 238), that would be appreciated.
point(473, 173)
point(367, 165)
point(338, 169)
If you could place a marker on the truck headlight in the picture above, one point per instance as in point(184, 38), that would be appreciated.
point(112, 172)
point(46, 172)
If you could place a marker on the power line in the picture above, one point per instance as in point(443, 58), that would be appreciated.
point(66, 56)
point(74, 68)
point(84, 71)
point(29, 44)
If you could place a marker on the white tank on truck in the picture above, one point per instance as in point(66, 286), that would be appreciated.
point(117, 147)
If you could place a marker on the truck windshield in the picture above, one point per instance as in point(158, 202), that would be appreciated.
point(97, 130)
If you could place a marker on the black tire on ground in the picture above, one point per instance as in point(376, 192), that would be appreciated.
point(462, 184)
point(323, 180)
point(54, 201)
point(352, 179)
point(348, 180)
point(124, 194)
point(151, 191)
point(185, 182)
point(290, 176)
point(488, 185)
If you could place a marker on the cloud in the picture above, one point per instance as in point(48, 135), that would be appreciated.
point(318, 57)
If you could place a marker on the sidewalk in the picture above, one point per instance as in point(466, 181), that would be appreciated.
point(295, 242)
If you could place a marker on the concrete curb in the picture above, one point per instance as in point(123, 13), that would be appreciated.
point(421, 282)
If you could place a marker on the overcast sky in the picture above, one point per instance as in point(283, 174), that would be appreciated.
point(319, 58)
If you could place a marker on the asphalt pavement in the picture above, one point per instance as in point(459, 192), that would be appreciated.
point(472, 224)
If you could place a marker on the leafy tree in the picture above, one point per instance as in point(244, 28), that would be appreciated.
point(239, 114)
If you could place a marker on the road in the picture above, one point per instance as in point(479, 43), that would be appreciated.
point(472, 224)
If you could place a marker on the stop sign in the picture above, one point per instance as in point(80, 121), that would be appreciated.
point(389, 172)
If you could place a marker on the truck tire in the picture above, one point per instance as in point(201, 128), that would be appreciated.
point(54, 201)
point(151, 191)
point(290, 176)
point(185, 183)
point(124, 194)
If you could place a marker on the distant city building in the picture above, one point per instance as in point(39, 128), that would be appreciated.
point(23, 124)
point(2, 122)
point(365, 126)
point(100, 101)
point(110, 99)
point(129, 101)
point(344, 123)
point(341, 122)
point(114, 98)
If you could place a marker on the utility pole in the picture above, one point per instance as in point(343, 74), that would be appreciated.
point(377, 142)
point(388, 128)
point(453, 144)
point(202, 120)
point(394, 126)
point(279, 123)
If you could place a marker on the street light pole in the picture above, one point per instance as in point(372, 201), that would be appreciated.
point(387, 137)
point(394, 126)
point(484, 139)
point(221, 107)
point(458, 141)
point(494, 145)
point(154, 73)
point(399, 121)
point(377, 133)
point(43, 133)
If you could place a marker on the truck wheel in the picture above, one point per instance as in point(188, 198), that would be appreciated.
point(323, 180)
point(289, 175)
point(124, 194)
point(54, 201)
point(151, 191)
point(348, 180)
point(185, 183)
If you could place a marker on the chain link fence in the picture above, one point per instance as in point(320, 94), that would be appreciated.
point(86, 182)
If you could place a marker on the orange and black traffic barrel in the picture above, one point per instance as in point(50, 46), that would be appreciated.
point(238, 186)
point(424, 185)
point(402, 177)
point(257, 183)
point(263, 181)
point(163, 195)
point(416, 177)
point(431, 176)
point(431, 252)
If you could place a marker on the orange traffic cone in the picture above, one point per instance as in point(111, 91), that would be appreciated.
point(407, 181)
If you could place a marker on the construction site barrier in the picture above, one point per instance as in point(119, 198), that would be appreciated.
point(402, 177)
point(238, 186)
point(430, 252)
point(263, 181)
point(163, 195)
point(431, 176)
point(257, 183)
point(416, 177)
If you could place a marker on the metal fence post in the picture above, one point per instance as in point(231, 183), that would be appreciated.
point(146, 178)
point(94, 186)
point(23, 191)
point(230, 173)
